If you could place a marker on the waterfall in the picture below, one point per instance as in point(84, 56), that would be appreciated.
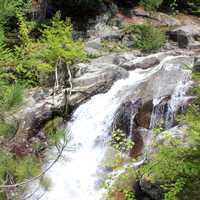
point(157, 112)
point(74, 177)
point(178, 101)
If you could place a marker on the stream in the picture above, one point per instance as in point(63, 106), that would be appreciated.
point(74, 176)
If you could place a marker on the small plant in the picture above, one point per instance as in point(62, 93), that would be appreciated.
point(146, 37)
point(11, 96)
point(120, 141)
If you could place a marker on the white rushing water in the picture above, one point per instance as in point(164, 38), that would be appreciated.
point(74, 177)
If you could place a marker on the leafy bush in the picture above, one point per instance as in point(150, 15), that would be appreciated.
point(8, 9)
point(60, 44)
point(146, 37)
point(151, 5)
point(11, 96)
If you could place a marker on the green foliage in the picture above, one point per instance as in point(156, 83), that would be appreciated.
point(25, 168)
point(11, 96)
point(19, 168)
point(60, 44)
point(35, 60)
point(173, 189)
point(54, 138)
point(120, 141)
point(173, 6)
point(8, 9)
point(53, 133)
point(146, 37)
point(23, 30)
point(151, 5)
point(129, 195)
point(7, 130)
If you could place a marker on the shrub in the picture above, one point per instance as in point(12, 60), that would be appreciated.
point(19, 168)
point(11, 96)
point(151, 5)
point(146, 37)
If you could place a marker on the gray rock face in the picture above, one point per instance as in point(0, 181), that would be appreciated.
point(144, 64)
point(123, 118)
point(197, 64)
point(94, 78)
point(177, 132)
point(122, 58)
point(158, 18)
point(186, 35)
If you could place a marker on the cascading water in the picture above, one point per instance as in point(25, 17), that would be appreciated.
point(178, 100)
point(74, 177)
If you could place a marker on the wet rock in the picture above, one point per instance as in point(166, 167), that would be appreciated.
point(185, 35)
point(94, 47)
point(197, 64)
point(124, 117)
point(159, 84)
point(153, 190)
point(144, 116)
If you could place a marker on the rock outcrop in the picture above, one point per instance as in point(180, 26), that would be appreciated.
point(186, 36)
point(43, 104)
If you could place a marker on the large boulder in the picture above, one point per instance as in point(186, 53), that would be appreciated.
point(158, 18)
point(186, 35)
point(143, 64)
point(197, 64)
